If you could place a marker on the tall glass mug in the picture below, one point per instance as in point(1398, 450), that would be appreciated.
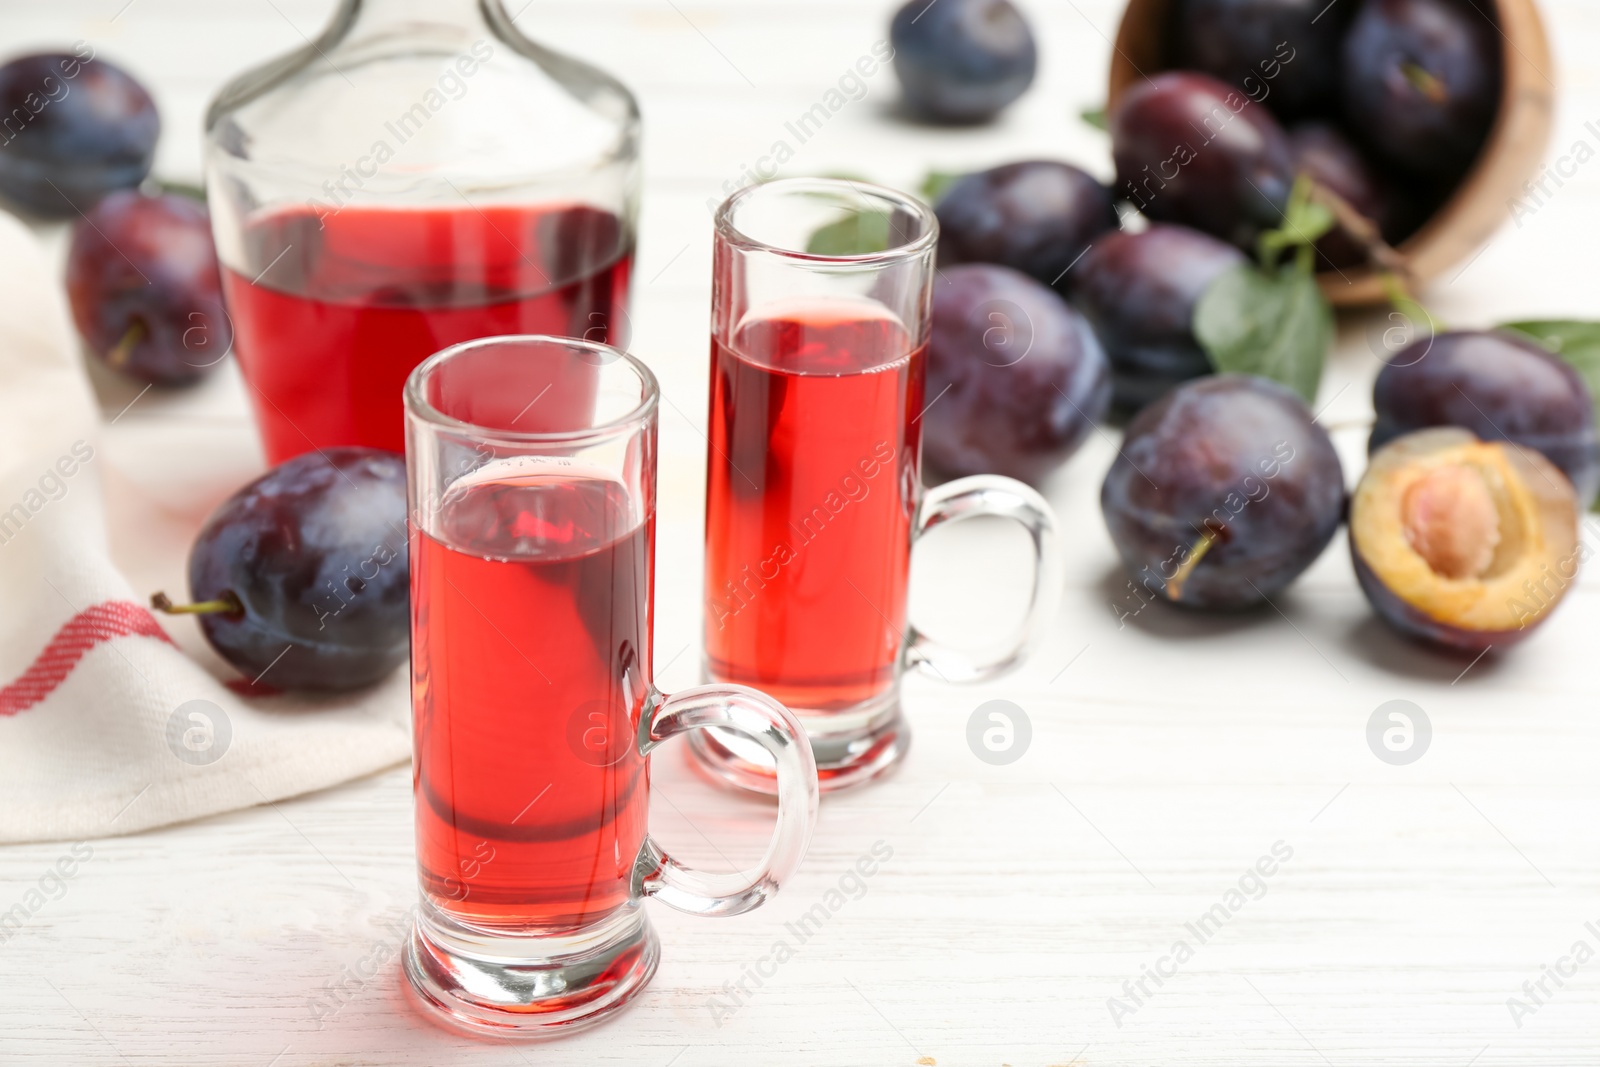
point(814, 476)
point(532, 471)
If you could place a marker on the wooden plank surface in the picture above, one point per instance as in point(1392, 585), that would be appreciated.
point(1170, 753)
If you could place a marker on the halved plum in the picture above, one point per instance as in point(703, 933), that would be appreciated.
point(1463, 543)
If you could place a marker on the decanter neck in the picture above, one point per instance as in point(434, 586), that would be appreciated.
point(364, 17)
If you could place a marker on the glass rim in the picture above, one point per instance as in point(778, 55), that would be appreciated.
point(729, 233)
point(418, 406)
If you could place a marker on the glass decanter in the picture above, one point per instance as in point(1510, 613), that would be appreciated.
point(418, 176)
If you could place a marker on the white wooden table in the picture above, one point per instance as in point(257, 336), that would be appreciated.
point(1170, 753)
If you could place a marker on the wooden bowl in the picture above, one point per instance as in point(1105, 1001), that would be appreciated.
point(1480, 204)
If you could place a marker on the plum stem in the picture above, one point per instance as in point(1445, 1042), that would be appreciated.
point(226, 604)
point(123, 349)
point(1426, 82)
point(1175, 584)
point(1363, 230)
point(1400, 298)
point(164, 185)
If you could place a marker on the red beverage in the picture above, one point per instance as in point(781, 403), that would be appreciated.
point(531, 661)
point(346, 305)
point(812, 487)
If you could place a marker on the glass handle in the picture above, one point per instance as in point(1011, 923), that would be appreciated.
point(734, 707)
point(966, 498)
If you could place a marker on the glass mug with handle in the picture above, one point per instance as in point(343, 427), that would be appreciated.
point(532, 471)
point(814, 475)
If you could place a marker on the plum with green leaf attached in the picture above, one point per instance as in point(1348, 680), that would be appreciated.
point(1192, 150)
point(1139, 290)
point(1271, 318)
point(1500, 385)
point(1329, 158)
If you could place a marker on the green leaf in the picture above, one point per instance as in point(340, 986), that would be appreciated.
point(1277, 325)
point(1304, 223)
point(1578, 342)
point(1309, 221)
point(1096, 117)
point(858, 234)
point(935, 184)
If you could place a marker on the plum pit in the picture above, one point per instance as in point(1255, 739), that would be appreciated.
point(1451, 520)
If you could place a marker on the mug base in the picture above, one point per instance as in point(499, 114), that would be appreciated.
point(490, 986)
point(852, 748)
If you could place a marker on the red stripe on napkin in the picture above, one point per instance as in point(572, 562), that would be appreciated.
point(90, 627)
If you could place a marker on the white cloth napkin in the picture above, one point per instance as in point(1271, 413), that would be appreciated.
point(106, 727)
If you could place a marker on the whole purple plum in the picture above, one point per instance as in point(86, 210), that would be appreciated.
point(1500, 386)
point(1192, 150)
point(1036, 216)
point(1422, 82)
point(146, 289)
point(1223, 493)
point(1016, 379)
point(1325, 155)
point(962, 61)
point(1138, 291)
point(302, 577)
point(76, 127)
point(1284, 53)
